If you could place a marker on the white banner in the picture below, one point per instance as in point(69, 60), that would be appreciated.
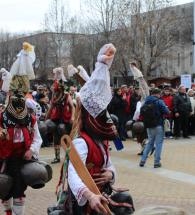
point(186, 80)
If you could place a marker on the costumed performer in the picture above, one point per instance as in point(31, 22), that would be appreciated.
point(61, 111)
point(138, 126)
point(20, 142)
point(4, 85)
point(95, 129)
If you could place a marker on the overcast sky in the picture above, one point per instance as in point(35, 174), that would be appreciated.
point(27, 15)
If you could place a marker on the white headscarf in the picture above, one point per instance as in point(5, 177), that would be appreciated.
point(59, 74)
point(71, 70)
point(83, 73)
point(79, 70)
point(96, 94)
point(6, 77)
point(23, 64)
point(138, 76)
point(136, 72)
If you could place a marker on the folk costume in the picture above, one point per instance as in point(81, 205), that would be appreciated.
point(95, 128)
point(20, 143)
point(61, 111)
point(4, 85)
point(138, 126)
point(138, 76)
point(79, 73)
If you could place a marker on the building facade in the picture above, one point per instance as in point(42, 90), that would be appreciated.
point(53, 50)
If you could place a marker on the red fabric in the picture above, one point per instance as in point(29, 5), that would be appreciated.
point(141, 118)
point(168, 100)
point(8, 212)
point(95, 157)
point(127, 109)
point(67, 112)
point(55, 85)
point(61, 112)
point(10, 149)
point(99, 127)
point(55, 113)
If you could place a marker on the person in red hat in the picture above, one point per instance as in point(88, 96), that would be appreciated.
point(193, 87)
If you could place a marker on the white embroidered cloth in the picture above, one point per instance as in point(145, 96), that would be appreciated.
point(59, 74)
point(96, 94)
point(83, 73)
point(138, 76)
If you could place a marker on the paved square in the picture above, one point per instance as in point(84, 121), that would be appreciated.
point(173, 184)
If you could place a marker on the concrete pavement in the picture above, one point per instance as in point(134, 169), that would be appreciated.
point(173, 184)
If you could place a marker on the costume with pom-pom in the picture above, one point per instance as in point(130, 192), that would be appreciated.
point(61, 111)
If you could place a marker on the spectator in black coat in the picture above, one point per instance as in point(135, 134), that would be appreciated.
point(135, 97)
point(182, 109)
point(117, 107)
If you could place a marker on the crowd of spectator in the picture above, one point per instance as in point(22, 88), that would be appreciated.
point(180, 121)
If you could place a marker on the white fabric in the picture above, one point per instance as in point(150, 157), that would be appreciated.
point(37, 141)
point(18, 206)
point(18, 135)
point(143, 87)
point(71, 70)
point(34, 93)
point(96, 93)
point(59, 74)
point(83, 73)
point(138, 76)
point(7, 205)
point(6, 77)
point(192, 100)
point(167, 126)
point(23, 64)
point(136, 72)
point(74, 181)
point(101, 58)
point(137, 111)
point(18, 210)
point(32, 104)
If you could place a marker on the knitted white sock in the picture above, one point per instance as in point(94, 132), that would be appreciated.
point(7, 204)
point(18, 206)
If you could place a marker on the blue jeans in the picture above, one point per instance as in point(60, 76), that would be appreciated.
point(155, 138)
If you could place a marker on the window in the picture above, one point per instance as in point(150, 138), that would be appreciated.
point(178, 59)
point(191, 58)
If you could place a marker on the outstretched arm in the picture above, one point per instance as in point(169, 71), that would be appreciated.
point(138, 76)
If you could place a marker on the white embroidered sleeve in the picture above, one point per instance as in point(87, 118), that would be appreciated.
point(137, 111)
point(112, 168)
point(76, 185)
point(37, 141)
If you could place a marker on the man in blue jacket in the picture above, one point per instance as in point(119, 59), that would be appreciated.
point(154, 122)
